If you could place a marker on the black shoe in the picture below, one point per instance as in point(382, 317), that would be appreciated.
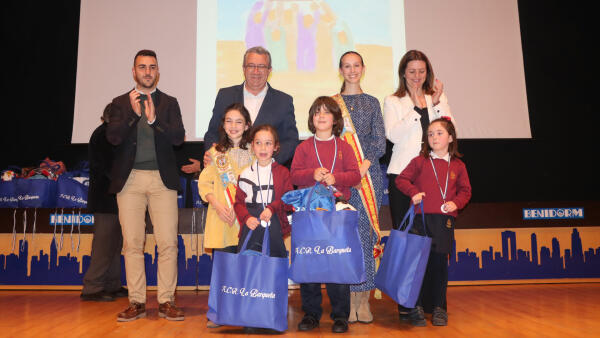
point(100, 296)
point(250, 330)
point(120, 293)
point(417, 316)
point(403, 313)
point(260, 331)
point(308, 323)
point(339, 326)
point(439, 317)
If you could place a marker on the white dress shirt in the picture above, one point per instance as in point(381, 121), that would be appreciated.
point(253, 102)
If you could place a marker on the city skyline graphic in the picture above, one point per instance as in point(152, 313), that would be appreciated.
point(507, 261)
point(511, 262)
point(51, 268)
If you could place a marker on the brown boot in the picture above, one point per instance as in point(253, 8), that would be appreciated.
point(364, 311)
point(353, 307)
point(133, 312)
point(169, 311)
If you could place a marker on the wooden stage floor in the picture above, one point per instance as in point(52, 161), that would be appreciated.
point(535, 310)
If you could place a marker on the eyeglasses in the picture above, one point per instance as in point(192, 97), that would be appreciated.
point(261, 68)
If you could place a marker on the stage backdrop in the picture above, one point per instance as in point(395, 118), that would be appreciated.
point(474, 46)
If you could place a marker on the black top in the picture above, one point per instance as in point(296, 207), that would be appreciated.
point(424, 120)
point(100, 154)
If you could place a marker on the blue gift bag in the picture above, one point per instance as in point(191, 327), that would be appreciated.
point(326, 247)
point(70, 192)
point(249, 289)
point(36, 193)
point(9, 198)
point(404, 262)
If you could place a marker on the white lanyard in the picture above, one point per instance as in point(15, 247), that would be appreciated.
point(443, 193)
point(262, 199)
point(334, 153)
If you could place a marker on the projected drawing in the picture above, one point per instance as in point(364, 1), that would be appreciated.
point(292, 32)
point(306, 39)
point(254, 26)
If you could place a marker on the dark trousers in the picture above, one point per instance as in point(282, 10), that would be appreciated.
point(104, 272)
point(228, 249)
point(435, 282)
point(399, 203)
point(339, 296)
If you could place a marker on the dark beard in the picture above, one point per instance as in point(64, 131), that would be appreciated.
point(142, 85)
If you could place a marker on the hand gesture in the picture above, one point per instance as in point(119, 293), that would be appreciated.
point(320, 173)
point(266, 215)
point(207, 159)
point(149, 109)
point(191, 168)
point(252, 223)
point(418, 198)
point(225, 213)
point(134, 99)
point(438, 89)
point(416, 93)
point(450, 206)
point(364, 167)
point(329, 179)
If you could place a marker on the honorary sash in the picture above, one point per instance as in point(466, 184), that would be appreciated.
point(366, 191)
point(226, 175)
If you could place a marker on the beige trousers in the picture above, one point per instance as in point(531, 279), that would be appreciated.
point(145, 189)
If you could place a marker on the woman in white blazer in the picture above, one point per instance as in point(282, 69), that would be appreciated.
point(419, 99)
point(407, 113)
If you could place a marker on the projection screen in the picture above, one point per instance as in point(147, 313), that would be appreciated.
point(474, 46)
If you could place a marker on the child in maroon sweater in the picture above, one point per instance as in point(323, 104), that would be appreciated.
point(439, 179)
point(258, 196)
point(325, 158)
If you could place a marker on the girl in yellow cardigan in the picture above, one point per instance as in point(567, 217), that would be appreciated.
point(217, 182)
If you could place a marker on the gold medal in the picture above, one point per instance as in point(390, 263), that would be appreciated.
point(449, 224)
point(222, 162)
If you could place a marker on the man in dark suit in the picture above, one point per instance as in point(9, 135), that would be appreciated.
point(265, 104)
point(144, 125)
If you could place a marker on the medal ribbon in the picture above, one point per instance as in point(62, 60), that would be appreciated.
point(443, 193)
point(334, 154)
point(262, 199)
point(226, 174)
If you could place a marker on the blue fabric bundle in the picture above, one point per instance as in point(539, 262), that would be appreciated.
point(301, 199)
